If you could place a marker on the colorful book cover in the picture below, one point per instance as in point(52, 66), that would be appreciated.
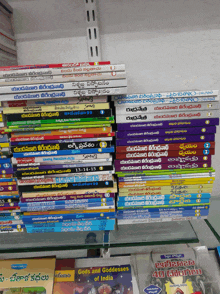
point(185, 272)
point(95, 280)
point(19, 276)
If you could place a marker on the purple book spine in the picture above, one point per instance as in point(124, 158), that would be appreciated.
point(163, 160)
point(166, 132)
point(140, 167)
point(8, 188)
point(168, 124)
point(165, 140)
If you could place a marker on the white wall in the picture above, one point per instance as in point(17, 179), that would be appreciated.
point(167, 45)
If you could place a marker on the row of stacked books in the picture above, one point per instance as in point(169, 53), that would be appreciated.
point(61, 140)
point(10, 215)
point(166, 270)
point(164, 145)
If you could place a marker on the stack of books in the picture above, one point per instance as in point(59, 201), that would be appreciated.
point(62, 147)
point(164, 145)
point(10, 216)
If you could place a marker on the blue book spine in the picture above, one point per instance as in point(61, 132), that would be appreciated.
point(10, 218)
point(71, 229)
point(160, 209)
point(9, 197)
point(74, 224)
point(5, 165)
point(163, 197)
point(3, 138)
point(61, 217)
point(122, 204)
point(5, 160)
point(2, 180)
point(202, 212)
point(108, 201)
point(64, 152)
point(66, 220)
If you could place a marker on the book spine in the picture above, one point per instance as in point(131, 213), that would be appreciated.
point(103, 222)
point(70, 158)
point(67, 206)
point(181, 155)
point(163, 197)
point(208, 180)
point(22, 73)
point(160, 190)
point(163, 160)
point(188, 213)
point(139, 167)
point(62, 180)
point(143, 204)
point(166, 132)
point(60, 115)
point(167, 139)
point(158, 101)
point(63, 78)
point(63, 94)
point(168, 95)
point(77, 198)
point(165, 219)
point(98, 202)
point(65, 152)
point(70, 192)
point(166, 147)
point(71, 229)
point(169, 116)
point(60, 146)
point(74, 170)
point(62, 107)
point(195, 208)
point(65, 217)
point(142, 108)
point(76, 100)
point(66, 186)
point(168, 124)
point(52, 65)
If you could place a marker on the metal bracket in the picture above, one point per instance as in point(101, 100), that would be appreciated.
point(93, 40)
point(105, 252)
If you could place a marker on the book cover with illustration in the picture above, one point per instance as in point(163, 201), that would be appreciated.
point(185, 272)
point(94, 280)
point(24, 276)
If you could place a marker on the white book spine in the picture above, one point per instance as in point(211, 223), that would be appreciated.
point(64, 94)
point(168, 95)
point(64, 78)
point(132, 118)
point(165, 100)
point(159, 220)
point(132, 109)
point(61, 71)
point(89, 84)
point(110, 172)
point(49, 159)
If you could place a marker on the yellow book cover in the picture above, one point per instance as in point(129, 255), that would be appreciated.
point(24, 276)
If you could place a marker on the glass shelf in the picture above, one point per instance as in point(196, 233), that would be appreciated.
point(202, 232)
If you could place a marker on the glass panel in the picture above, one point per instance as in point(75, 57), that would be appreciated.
point(154, 233)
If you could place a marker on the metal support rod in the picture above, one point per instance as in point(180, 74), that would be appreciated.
point(93, 40)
